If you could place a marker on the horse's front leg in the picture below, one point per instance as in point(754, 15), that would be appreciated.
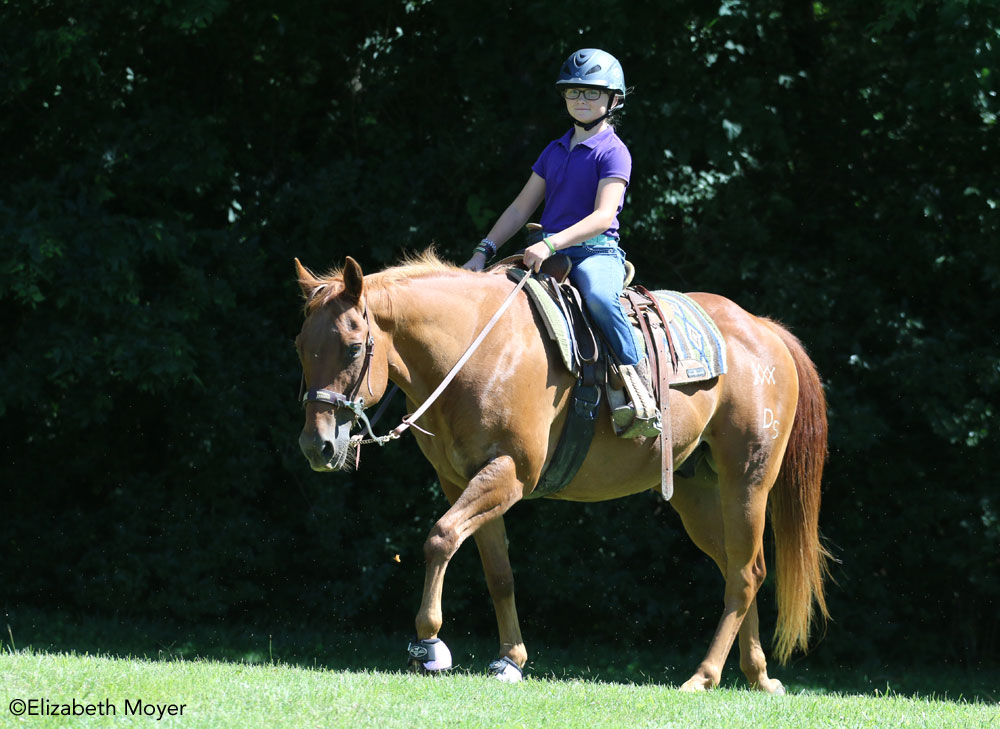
point(490, 493)
point(491, 539)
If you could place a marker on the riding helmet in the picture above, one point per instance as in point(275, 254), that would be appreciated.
point(592, 67)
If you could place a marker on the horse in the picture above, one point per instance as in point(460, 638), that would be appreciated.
point(497, 423)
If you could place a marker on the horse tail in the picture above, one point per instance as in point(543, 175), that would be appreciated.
point(794, 505)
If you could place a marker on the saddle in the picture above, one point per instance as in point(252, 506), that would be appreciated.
point(587, 358)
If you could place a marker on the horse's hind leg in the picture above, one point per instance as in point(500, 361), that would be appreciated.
point(729, 540)
point(752, 660)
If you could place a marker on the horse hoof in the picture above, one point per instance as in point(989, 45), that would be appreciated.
point(423, 670)
point(429, 656)
point(504, 669)
point(697, 684)
point(773, 687)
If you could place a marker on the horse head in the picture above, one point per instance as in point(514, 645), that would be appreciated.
point(336, 346)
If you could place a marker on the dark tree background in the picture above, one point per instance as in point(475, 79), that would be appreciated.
point(831, 165)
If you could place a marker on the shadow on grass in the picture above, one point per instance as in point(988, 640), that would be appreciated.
point(311, 647)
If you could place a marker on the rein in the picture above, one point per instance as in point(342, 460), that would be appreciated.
point(339, 400)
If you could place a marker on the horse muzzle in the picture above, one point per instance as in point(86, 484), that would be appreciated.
point(326, 451)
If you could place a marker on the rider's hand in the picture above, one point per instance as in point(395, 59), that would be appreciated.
point(475, 263)
point(535, 254)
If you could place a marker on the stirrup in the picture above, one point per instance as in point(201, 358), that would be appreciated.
point(647, 415)
point(634, 416)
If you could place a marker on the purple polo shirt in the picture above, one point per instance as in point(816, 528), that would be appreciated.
point(571, 177)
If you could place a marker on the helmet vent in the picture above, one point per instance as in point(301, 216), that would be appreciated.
point(595, 69)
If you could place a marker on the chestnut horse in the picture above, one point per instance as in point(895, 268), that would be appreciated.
point(497, 423)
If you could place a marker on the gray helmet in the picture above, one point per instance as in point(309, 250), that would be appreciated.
point(594, 68)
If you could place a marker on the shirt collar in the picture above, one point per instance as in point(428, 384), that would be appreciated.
point(564, 140)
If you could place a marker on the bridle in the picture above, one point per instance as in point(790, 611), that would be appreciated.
point(350, 401)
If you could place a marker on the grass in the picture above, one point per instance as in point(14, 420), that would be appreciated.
point(220, 694)
point(226, 676)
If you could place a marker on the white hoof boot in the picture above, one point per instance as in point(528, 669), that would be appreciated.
point(504, 669)
point(429, 656)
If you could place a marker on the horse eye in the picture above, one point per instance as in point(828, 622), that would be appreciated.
point(354, 350)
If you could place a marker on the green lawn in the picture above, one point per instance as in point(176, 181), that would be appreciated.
point(226, 675)
point(226, 694)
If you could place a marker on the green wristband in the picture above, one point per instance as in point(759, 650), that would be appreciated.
point(551, 247)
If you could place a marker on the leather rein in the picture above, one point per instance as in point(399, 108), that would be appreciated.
point(356, 404)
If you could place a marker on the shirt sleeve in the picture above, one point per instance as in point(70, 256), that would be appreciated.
point(615, 162)
point(539, 167)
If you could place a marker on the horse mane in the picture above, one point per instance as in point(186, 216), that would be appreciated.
point(413, 265)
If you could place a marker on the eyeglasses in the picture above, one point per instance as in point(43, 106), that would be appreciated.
point(588, 94)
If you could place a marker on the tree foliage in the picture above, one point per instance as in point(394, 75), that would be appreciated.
point(828, 165)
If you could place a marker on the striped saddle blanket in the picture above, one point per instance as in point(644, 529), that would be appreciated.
point(701, 350)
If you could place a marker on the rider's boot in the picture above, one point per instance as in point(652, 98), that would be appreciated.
point(646, 420)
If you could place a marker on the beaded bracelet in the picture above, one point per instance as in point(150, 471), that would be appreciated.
point(489, 246)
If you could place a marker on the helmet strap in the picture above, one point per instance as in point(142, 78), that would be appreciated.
point(590, 125)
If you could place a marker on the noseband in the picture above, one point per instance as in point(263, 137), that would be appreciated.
point(350, 401)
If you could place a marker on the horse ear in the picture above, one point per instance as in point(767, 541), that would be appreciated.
point(307, 281)
point(354, 280)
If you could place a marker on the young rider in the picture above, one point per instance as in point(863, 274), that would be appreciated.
point(582, 178)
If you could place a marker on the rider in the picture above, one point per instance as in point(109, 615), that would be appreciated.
point(582, 177)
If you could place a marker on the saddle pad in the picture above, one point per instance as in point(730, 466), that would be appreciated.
point(701, 350)
point(698, 341)
point(555, 323)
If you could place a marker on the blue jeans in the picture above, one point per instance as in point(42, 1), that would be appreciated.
point(599, 272)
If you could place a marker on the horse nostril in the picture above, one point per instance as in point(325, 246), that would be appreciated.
point(327, 451)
